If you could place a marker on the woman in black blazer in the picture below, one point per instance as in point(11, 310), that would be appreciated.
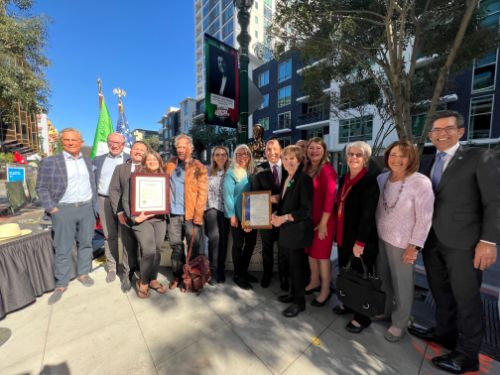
point(355, 208)
point(293, 218)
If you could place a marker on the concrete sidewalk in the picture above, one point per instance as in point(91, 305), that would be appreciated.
point(225, 330)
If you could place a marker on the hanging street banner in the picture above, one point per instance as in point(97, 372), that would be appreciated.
point(222, 84)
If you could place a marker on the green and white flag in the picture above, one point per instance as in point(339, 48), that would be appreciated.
point(104, 128)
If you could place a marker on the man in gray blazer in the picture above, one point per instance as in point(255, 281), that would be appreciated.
point(461, 243)
point(66, 187)
point(119, 198)
point(104, 166)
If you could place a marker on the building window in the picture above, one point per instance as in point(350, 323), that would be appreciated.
point(285, 120)
point(264, 78)
point(229, 40)
point(318, 132)
point(256, 20)
point(484, 72)
point(265, 102)
point(227, 28)
point(264, 122)
point(269, 3)
point(481, 109)
point(356, 129)
point(285, 141)
point(256, 5)
point(285, 70)
point(284, 96)
point(227, 14)
point(256, 34)
point(268, 12)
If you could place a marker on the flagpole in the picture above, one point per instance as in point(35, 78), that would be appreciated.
point(99, 91)
point(120, 92)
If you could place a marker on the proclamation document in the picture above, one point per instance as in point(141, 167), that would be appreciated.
point(257, 209)
point(150, 194)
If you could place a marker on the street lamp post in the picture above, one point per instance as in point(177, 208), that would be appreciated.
point(244, 7)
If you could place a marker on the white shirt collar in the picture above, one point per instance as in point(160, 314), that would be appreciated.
point(277, 164)
point(68, 156)
point(451, 151)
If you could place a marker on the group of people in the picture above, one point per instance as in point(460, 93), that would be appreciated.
point(450, 211)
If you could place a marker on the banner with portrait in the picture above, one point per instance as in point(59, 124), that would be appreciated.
point(222, 84)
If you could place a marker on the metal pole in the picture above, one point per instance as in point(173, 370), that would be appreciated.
point(244, 40)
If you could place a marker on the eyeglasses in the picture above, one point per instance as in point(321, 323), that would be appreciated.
point(355, 154)
point(115, 143)
point(243, 155)
point(447, 130)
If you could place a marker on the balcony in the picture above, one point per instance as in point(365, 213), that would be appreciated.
point(313, 117)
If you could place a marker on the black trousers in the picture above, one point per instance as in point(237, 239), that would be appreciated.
point(296, 260)
point(455, 285)
point(242, 251)
point(268, 237)
point(217, 231)
point(178, 228)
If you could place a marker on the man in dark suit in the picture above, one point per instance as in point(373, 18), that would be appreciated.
point(462, 241)
point(66, 187)
point(104, 166)
point(119, 199)
point(269, 176)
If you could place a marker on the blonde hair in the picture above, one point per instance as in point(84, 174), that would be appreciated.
point(240, 173)
point(295, 150)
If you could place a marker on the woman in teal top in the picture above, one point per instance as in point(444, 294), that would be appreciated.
point(237, 181)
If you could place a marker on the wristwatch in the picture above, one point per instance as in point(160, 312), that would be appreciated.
point(418, 248)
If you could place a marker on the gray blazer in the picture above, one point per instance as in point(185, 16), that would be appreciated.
point(98, 162)
point(119, 189)
point(52, 181)
point(467, 204)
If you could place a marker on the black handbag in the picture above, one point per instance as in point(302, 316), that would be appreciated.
point(360, 291)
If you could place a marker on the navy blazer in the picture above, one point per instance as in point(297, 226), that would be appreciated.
point(52, 181)
point(98, 162)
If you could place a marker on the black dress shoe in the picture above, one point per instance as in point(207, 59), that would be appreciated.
point(251, 278)
point(285, 298)
point(293, 310)
point(354, 329)
point(316, 303)
point(429, 334)
point(313, 290)
point(265, 282)
point(456, 363)
point(243, 283)
point(284, 285)
point(221, 279)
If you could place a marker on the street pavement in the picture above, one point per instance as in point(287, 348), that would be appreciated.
point(224, 330)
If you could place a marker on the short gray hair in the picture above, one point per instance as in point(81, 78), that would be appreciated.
point(68, 130)
point(184, 136)
point(364, 147)
point(118, 134)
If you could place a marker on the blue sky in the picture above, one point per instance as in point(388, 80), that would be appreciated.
point(144, 47)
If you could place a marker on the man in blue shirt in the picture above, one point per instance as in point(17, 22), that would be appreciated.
point(66, 187)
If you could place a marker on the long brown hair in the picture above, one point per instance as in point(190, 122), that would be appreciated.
point(213, 166)
point(308, 168)
point(158, 157)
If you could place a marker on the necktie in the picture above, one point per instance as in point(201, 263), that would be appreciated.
point(437, 172)
point(276, 176)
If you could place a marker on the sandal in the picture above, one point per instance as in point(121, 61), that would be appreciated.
point(141, 293)
point(158, 287)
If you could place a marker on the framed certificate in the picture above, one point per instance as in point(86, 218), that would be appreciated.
point(257, 209)
point(150, 194)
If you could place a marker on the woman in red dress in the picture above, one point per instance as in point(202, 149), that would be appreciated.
point(324, 184)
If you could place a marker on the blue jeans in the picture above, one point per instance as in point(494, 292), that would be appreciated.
point(70, 223)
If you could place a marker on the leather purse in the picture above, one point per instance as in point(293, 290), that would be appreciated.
point(196, 272)
point(360, 291)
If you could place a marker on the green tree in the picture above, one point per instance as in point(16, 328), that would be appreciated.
point(153, 142)
point(405, 49)
point(206, 136)
point(22, 62)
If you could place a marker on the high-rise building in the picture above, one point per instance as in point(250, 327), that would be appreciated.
point(218, 18)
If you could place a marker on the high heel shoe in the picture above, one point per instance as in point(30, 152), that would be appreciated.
point(316, 303)
point(313, 290)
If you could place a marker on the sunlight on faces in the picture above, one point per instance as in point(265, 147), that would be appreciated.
point(273, 151)
point(445, 133)
point(184, 149)
point(151, 163)
point(72, 142)
point(290, 162)
point(315, 152)
point(242, 158)
point(116, 143)
point(355, 159)
point(137, 152)
point(220, 157)
point(398, 161)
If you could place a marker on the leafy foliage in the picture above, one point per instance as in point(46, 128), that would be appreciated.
point(22, 62)
point(403, 49)
point(205, 136)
